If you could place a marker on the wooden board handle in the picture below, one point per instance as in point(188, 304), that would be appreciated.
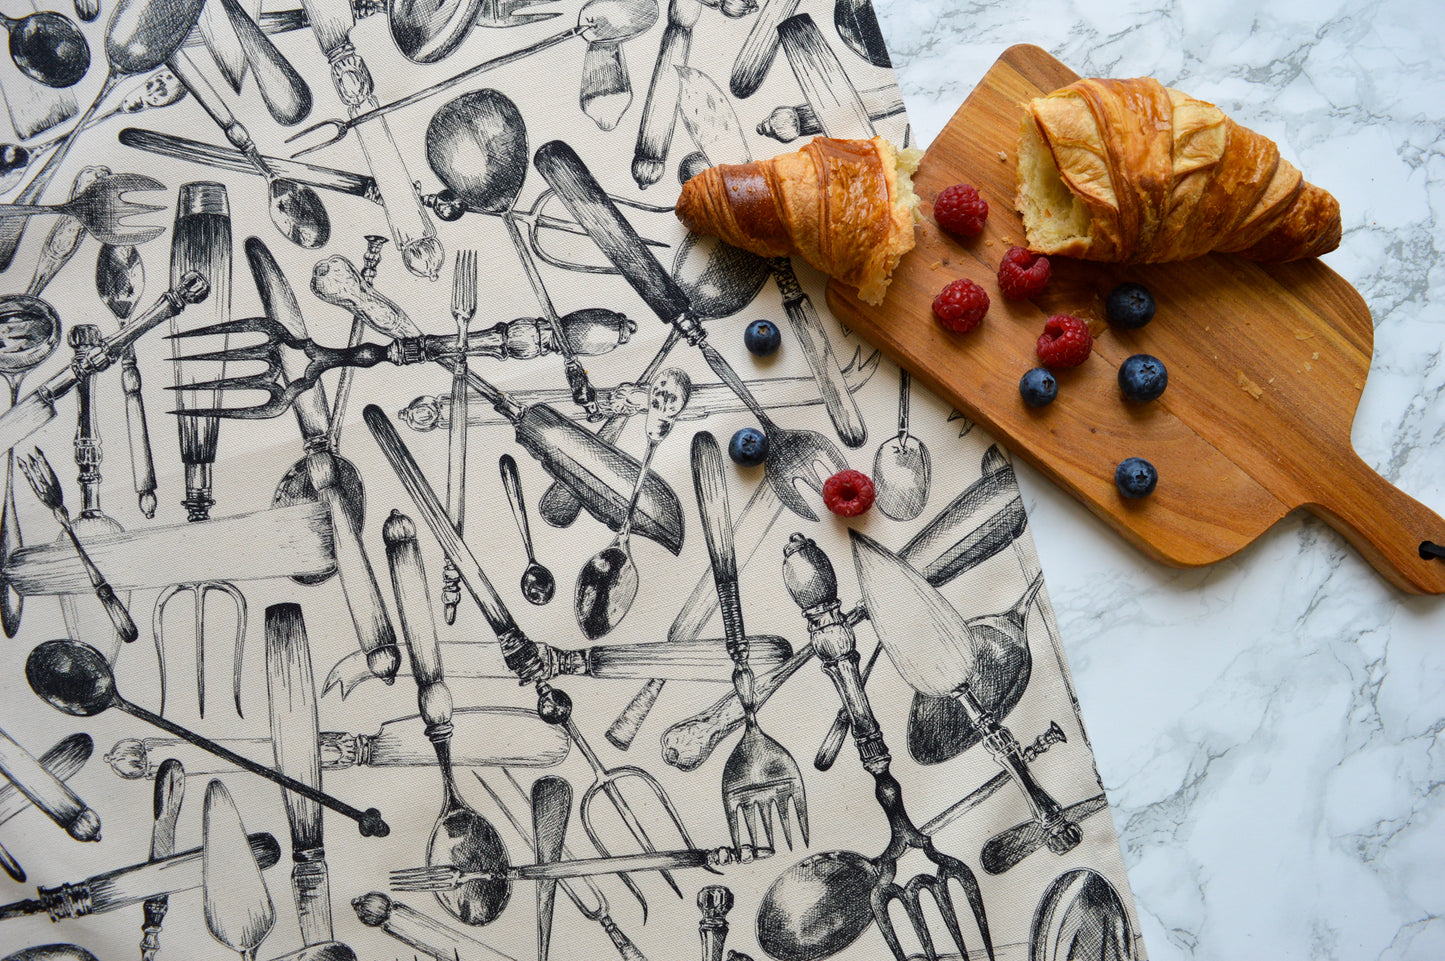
point(1385, 524)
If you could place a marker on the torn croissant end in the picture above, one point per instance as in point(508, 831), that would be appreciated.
point(845, 206)
point(1132, 171)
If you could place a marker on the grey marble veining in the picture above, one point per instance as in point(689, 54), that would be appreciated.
point(1268, 727)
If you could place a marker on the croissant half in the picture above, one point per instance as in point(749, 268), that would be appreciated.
point(1131, 171)
point(845, 206)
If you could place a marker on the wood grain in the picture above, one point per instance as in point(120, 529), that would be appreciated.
point(1266, 367)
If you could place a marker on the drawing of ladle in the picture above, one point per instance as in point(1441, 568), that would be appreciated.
point(48, 47)
point(607, 584)
point(901, 468)
point(477, 145)
point(76, 679)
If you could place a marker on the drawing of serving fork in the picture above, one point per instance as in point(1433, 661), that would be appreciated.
point(813, 584)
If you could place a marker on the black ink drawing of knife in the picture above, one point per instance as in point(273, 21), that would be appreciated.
point(291, 694)
point(169, 791)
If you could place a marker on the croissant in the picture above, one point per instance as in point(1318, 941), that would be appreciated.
point(1131, 171)
point(845, 206)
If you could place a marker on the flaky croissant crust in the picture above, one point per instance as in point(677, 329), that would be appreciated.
point(1155, 175)
point(836, 203)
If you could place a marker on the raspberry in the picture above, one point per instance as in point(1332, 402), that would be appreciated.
point(1065, 342)
point(960, 306)
point(848, 493)
point(960, 210)
point(1022, 274)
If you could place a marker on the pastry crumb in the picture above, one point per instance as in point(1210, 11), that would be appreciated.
point(1247, 385)
point(935, 265)
point(1002, 157)
point(1315, 355)
point(1303, 334)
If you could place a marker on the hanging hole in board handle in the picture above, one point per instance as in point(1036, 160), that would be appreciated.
point(1429, 549)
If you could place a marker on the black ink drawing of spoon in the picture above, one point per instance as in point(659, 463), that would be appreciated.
point(901, 468)
point(538, 584)
point(607, 584)
point(75, 679)
point(462, 837)
point(120, 281)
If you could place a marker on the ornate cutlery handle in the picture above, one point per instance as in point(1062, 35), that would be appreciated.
point(714, 901)
point(143, 466)
point(811, 580)
point(337, 281)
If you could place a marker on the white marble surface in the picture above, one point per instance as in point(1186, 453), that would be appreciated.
point(1267, 728)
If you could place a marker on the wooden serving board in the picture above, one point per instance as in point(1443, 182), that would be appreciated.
point(1266, 367)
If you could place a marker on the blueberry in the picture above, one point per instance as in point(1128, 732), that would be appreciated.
point(762, 337)
point(1143, 377)
point(1038, 387)
point(749, 447)
point(1130, 306)
point(1135, 477)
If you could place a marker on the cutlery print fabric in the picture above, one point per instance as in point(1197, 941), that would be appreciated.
point(364, 635)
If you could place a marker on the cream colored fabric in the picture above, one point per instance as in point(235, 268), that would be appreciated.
point(255, 454)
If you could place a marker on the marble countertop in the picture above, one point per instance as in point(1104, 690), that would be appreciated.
point(1268, 728)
